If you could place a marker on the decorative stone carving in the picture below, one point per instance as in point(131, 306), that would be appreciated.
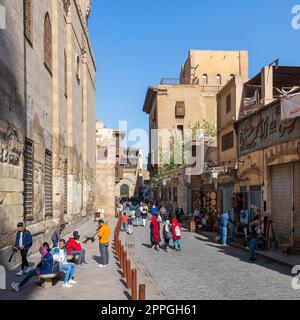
point(88, 9)
point(11, 145)
point(66, 5)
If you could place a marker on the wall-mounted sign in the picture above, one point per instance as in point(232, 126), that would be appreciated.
point(264, 129)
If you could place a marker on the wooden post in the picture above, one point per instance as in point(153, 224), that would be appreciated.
point(122, 257)
point(142, 292)
point(134, 284)
point(128, 274)
point(119, 251)
point(124, 264)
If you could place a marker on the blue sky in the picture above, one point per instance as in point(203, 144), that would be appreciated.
point(138, 42)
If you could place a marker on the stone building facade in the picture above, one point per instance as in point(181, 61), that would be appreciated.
point(119, 169)
point(181, 103)
point(47, 118)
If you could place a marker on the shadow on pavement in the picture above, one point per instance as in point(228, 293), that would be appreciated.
point(202, 239)
point(147, 245)
point(97, 259)
point(243, 256)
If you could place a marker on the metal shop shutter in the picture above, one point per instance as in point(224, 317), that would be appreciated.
point(282, 200)
point(255, 196)
point(227, 198)
point(28, 180)
point(297, 204)
point(48, 184)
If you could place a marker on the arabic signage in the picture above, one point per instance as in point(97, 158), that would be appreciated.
point(264, 129)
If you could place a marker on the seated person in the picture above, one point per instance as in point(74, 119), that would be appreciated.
point(68, 268)
point(44, 267)
point(74, 248)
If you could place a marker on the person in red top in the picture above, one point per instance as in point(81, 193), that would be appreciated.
point(155, 233)
point(124, 221)
point(176, 235)
point(74, 248)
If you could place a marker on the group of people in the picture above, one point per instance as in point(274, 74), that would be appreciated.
point(158, 215)
point(252, 234)
point(57, 259)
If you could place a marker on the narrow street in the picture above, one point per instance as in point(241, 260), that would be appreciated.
point(205, 270)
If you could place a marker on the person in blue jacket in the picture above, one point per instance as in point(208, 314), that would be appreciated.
point(45, 267)
point(224, 219)
point(23, 243)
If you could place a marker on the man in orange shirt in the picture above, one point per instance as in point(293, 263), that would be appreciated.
point(103, 234)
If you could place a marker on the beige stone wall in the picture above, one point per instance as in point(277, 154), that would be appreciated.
point(33, 105)
point(225, 120)
point(214, 62)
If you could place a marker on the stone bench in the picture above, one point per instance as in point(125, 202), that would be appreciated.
point(47, 279)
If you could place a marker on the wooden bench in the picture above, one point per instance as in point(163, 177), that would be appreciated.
point(47, 279)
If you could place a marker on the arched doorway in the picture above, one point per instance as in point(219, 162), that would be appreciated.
point(124, 191)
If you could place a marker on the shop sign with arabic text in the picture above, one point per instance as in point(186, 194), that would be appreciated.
point(264, 129)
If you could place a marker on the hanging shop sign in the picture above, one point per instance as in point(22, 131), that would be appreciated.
point(265, 128)
point(290, 106)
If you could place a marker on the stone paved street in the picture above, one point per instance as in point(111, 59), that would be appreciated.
point(94, 283)
point(204, 270)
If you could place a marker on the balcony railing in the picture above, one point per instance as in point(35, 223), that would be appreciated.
point(177, 81)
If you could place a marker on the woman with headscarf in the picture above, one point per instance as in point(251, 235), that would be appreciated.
point(167, 233)
point(176, 234)
point(45, 267)
point(155, 233)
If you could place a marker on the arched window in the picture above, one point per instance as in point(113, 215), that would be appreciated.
point(48, 43)
point(218, 79)
point(28, 17)
point(205, 79)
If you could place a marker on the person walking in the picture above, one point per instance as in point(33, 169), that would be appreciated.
point(74, 248)
point(181, 215)
point(68, 268)
point(124, 221)
point(163, 213)
point(253, 238)
point(138, 215)
point(155, 233)
point(104, 234)
point(167, 233)
point(56, 235)
point(176, 234)
point(23, 243)
point(130, 225)
point(223, 220)
point(153, 210)
point(44, 267)
point(144, 216)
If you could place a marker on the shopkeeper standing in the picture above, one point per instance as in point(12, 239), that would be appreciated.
point(253, 237)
